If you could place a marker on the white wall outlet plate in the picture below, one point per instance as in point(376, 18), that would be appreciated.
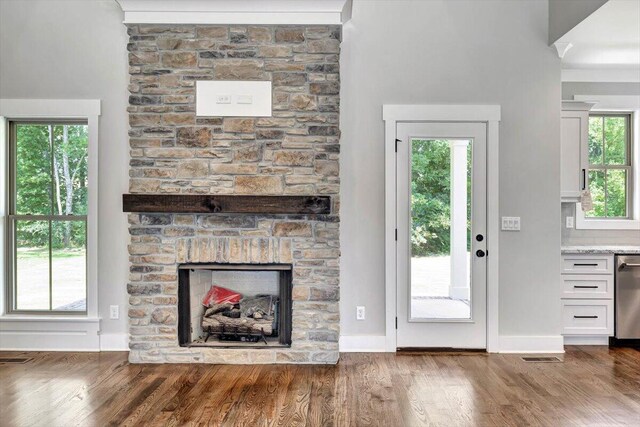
point(360, 313)
point(233, 98)
point(114, 312)
point(510, 223)
point(569, 222)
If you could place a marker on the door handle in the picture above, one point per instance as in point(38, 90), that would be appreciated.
point(585, 286)
point(480, 253)
point(585, 317)
point(584, 179)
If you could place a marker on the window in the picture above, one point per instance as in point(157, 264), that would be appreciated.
point(48, 190)
point(610, 166)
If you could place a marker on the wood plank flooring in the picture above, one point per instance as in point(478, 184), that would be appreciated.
point(592, 386)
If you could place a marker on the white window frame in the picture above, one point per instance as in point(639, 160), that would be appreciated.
point(17, 324)
point(622, 104)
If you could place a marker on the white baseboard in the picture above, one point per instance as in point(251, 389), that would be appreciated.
point(114, 342)
point(49, 334)
point(531, 344)
point(586, 340)
point(362, 343)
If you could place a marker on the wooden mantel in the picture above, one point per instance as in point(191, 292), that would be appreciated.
point(196, 203)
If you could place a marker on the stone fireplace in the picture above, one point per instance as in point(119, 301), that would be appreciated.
point(175, 153)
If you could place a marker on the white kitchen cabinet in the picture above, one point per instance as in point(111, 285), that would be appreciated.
point(587, 298)
point(574, 145)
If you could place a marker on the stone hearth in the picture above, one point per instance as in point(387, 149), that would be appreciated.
point(294, 152)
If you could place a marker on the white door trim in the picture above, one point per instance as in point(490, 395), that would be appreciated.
point(489, 114)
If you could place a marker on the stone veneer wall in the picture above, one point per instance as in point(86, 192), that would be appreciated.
point(293, 152)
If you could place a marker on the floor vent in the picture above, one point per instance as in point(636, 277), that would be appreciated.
point(542, 359)
point(14, 360)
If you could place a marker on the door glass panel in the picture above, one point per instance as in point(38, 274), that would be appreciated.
point(32, 265)
point(440, 284)
point(68, 266)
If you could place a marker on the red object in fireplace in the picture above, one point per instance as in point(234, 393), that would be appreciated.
point(220, 295)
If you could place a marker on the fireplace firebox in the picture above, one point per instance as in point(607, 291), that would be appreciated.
point(234, 305)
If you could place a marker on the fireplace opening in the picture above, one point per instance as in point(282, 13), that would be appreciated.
point(234, 305)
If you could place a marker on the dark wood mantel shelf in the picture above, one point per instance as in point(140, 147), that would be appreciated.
point(196, 203)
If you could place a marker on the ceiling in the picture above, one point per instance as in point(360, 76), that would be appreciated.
point(607, 39)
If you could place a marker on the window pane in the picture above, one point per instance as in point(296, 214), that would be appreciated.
point(69, 266)
point(596, 186)
point(595, 141)
point(70, 165)
point(615, 142)
point(33, 169)
point(616, 193)
point(32, 265)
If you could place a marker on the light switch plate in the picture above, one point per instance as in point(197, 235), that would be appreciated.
point(510, 223)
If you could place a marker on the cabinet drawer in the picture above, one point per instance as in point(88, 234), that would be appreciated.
point(587, 317)
point(587, 264)
point(587, 286)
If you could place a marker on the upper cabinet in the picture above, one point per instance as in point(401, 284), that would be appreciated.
point(574, 155)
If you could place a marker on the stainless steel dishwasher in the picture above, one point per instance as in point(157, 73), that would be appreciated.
point(627, 292)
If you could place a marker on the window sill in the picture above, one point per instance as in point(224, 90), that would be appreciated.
point(583, 223)
point(48, 318)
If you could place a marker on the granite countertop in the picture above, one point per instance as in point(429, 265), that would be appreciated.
point(621, 249)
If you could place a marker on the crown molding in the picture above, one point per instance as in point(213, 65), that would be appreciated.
point(257, 12)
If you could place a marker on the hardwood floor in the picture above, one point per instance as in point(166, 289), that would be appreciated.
point(593, 386)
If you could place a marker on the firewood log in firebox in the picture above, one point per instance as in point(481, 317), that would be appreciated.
point(244, 325)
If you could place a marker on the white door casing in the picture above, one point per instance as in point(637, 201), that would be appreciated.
point(489, 114)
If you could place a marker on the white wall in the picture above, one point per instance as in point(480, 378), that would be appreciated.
point(439, 51)
point(77, 49)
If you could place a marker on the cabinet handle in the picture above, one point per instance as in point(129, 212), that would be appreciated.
point(585, 286)
point(585, 317)
point(575, 264)
point(584, 179)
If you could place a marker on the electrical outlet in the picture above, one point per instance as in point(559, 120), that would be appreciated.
point(511, 223)
point(360, 315)
point(114, 312)
point(570, 222)
point(223, 99)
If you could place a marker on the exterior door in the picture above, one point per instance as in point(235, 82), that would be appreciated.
point(441, 235)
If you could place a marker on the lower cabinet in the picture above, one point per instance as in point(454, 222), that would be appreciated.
point(587, 317)
point(587, 298)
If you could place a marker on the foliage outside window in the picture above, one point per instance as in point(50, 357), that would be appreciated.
point(610, 165)
point(431, 197)
point(48, 216)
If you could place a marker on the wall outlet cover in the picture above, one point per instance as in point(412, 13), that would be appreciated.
point(360, 312)
point(569, 222)
point(114, 312)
